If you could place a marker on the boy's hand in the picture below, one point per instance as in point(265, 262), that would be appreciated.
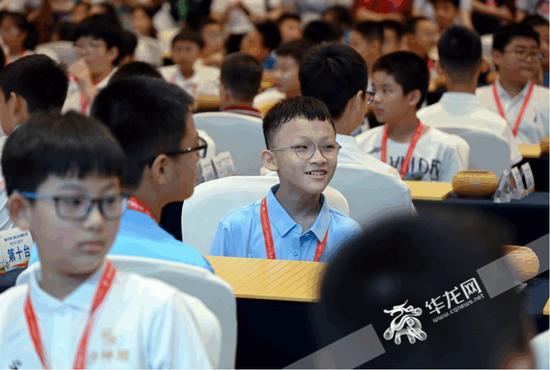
point(81, 72)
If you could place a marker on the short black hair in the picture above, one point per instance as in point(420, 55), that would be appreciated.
point(394, 26)
point(75, 145)
point(410, 261)
point(128, 44)
point(296, 49)
point(241, 74)
point(410, 25)
point(319, 31)
point(109, 12)
point(271, 37)
point(39, 80)
point(455, 3)
point(333, 73)
point(188, 35)
point(134, 69)
point(100, 27)
point(504, 35)
point(408, 70)
point(459, 51)
point(148, 117)
point(370, 30)
point(288, 109)
point(342, 15)
point(535, 20)
point(24, 25)
point(287, 15)
point(2, 59)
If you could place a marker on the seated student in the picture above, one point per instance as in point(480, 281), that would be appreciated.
point(337, 75)
point(418, 152)
point(71, 202)
point(459, 52)
point(290, 26)
point(241, 76)
point(18, 36)
point(540, 25)
point(260, 42)
point(393, 32)
point(421, 37)
point(194, 79)
point(213, 36)
point(367, 38)
point(416, 283)
point(514, 96)
point(293, 221)
point(447, 13)
point(98, 43)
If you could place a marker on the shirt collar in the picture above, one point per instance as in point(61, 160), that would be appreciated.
point(80, 298)
point(504, 95)
point(243, 109)
point(348, 142)
point(283, 223)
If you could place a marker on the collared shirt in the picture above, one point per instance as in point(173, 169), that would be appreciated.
point(243, 109)
point(142, 323)
point(435, 157)
point(140, 236)
point(463, 109)
point(240, 233)
point(205, 80)
point(534, 123)
point(73, 101)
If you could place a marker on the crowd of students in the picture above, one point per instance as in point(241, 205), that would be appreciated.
point(93, 151)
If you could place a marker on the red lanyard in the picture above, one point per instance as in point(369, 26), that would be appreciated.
point(268, 238)
point(521, 109)
point(136, 205)
point(80, 359)
point(410, 151)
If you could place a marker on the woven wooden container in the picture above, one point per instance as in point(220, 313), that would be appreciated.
point(544, 145)
point(481, 184)
point(524, 261)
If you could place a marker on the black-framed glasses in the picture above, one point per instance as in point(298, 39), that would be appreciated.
point(536, 55)
point(78, 208)
point(201, 147)
point(307, 150)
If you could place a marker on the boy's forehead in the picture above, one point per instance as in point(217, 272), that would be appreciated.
point(523, 41)
point(185, 43)
point(91, 182)
point(383, 77)
point(304, 127)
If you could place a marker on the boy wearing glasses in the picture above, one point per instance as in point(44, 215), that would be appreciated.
point(418, 152)
point(514, 96)
point(152, 121)
point(78, 310)
point(293, 221)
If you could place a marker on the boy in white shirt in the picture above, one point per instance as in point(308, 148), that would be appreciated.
point(514, 96)
point(77, 309)
point(294, 220)
point(460, 62)
point(418, 152)
point(196, 80)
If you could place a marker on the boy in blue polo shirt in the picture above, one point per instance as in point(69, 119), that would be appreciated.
point(294, 220)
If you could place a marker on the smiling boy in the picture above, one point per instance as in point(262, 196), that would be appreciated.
point(294, 220)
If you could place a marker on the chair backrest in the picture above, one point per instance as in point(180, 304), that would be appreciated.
point(241, 135)
point(488, 151)
point(214, 199)
point(208, 288)
point(148, 50)
point(64, 50)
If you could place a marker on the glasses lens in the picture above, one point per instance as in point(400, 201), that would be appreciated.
point(330, 151)
point(112, 207)
point(204, 147)
point(305, 150)
point(72, 207)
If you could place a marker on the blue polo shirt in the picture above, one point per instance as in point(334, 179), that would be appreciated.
point(240, 233)
point(140, 236)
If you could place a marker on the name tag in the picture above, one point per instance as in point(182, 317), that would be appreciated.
point(519, 189)
point(15, 249)
point(223, 164)
point(528, 176)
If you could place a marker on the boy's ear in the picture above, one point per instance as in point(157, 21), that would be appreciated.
point(269, 161)
point(20, 210)
point(497, 57)
point(159, 169)
point(113, 53)
point(414, 97)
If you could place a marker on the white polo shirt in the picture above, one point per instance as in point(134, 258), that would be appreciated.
point(534, 123)
point(204, 82)
point(435, 157)
point(464, 110)
point(142, 323)
point(73, 101)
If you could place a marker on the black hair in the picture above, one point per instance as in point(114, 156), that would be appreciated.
point(296, 49)
point(64, 30)
point(370, 30)
point(459, 51)
point(39, 80)
point(291, 108)
point(100, 27)
point(271, 37)
point(286, 15)
point(455, 3)
point(148, 117)
point(394, 26)
point(133, 69)
point(342, 16)
point(75, 145)
point(2, 59)
point(408, 70)
point(319, 32)
point(109, 12)
point(333, 73)
point(150, 11)
point(413, 260)
point(504, 35)
point(191, 36)
point(535, 20)
point(24, 25)
point(410, 25)
point(128, 44)
point(241, 74)
point(205, 21)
